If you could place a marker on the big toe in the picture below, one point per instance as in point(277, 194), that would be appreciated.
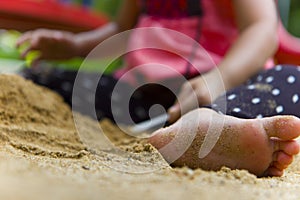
point(282, 127)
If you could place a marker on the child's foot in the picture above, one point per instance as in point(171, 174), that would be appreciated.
point(264, 147)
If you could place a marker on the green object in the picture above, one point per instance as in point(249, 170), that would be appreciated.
point(10, 58)
point(294, 18)
point(10, 54)
point(8, 45)
point(31, 57)
point(284, 10)
point(103, 65)
point(109, 7)
point(10, 61)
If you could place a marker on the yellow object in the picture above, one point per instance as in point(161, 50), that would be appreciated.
point(31, 57)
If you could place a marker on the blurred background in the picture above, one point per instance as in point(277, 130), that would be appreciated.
point(71, 15)
point(289, 9)
point(80, 15)
point(17, 16)
point(293, 19)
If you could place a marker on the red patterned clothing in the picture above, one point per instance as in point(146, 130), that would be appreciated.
point(163, 41)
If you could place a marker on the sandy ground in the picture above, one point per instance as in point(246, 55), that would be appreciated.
point(43, 157)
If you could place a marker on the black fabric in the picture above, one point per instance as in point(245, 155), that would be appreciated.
point(271, 92)
point(141, 100)
point(171, 8)
point(194, 8)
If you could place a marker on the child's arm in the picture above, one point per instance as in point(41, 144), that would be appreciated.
point(257, 22)
point(55, 44)
point(126, 19)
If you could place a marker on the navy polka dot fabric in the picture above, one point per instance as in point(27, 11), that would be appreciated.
point(271, 92)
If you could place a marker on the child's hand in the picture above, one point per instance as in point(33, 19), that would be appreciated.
point(199, 91)
point(192, 94)
point(51, 44)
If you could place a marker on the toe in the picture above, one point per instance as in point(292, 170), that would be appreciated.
point(273, 171)
point(282, 127)
point(282, 158)
point(279, 166)
point(288, 147)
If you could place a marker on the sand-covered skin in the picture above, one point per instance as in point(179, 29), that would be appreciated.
point(43, 157)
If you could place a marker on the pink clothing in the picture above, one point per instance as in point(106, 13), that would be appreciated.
point(162, 54)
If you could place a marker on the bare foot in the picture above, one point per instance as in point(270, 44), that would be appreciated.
point(264, 147)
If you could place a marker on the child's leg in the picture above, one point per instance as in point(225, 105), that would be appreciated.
point(262, 146)
point(272, 92)
point(248, 144)
point(61, 81)
point(141, 101)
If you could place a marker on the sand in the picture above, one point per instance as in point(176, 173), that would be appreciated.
point(44, 156)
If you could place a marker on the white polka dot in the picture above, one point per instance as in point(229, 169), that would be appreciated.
point(279, 109)
point(259, 78)
point(276, 92)
point(298, 68)
point(214, 105)
point(278, 68)
point(236, 110)
point(295, 98)
point(231, 97)
point(259, 116)
point(291, 79)
point(251, 87)
point(256, 100)
point(269, 79)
